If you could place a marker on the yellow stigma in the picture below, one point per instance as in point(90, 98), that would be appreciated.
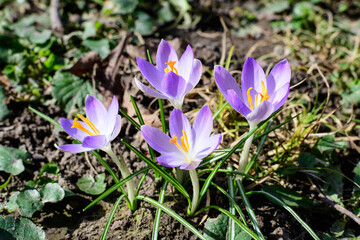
point(78, 125)
point(263, 96)
point(184, 142)
point(171, 66)
point(249, 99)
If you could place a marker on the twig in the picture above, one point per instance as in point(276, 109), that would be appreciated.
point(338, 207)
point(89, 163)
point(56, 24)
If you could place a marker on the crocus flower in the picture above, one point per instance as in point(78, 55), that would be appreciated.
point(172, 78)
point(96, 130)
point(187, 145)
point(259, 97)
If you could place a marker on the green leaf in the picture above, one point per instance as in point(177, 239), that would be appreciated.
point(4, 111)
point(70, 91)
point(20, 229)
point(40, 37)
point(52, 192)
point(307, 160)
point(50, 167)
point(215, 228)
point(11, 160)
point(289, 197)
point(125, 6)
point(102, 46)
point(89, 185)
point(29, 202)
point(11, 205)
point(144, 24)
point(89, 29)
point(327, 144)
point(277, 7)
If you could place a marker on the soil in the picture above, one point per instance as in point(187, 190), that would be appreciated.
point(67, 220)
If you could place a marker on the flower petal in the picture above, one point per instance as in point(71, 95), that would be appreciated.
point(74, 148)
point(95, 142)
point(185, 63)
point(110, 117)
point(171, 159)
point(261, 112)
point(165, 52)
point(280, 96)
point(148, 91)
point(251, 76)
point(235, 101)
point(203, 123)
point(278, 77)
point(158, 140)
point(117, 128)
point(225, 81)
point(173, 85)
point(194, 76)
point(95, 110)
point(74, 132)
point(151, 73)
point(190, 166)
point(208, 146)
point(179, 122)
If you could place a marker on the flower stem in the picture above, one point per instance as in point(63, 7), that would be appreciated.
point(124, 170)
point(245, 154)
point(196, 188)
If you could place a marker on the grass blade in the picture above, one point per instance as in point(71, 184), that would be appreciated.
point(162, 115)
point(237, 221)
point(158, 212)
point(289, 209)
point(249, 209)
point(161, 172)
point(131, 120)
point(111, 217)
point(172, 214)
point(231, 228)
point(47, 118)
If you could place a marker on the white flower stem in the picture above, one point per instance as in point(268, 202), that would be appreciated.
point(124, 170)
point(196, 189)
point(245, 154)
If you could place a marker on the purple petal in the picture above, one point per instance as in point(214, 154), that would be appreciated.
point(185, 63)
point(171, 159)
point(178, 122)
point(74, 148)
point(95, 110)
point(278, 77)
point(151, 73)
point(251, 76)
point(280, 96)
point(235, 101)
point(110, 117)
point(117, 128)
point(74, 132)
point(225, 81)
point(173, 85)
point(194, 76)
point(158, 140)
point(206, 147)
point(190, 166)
point(261, 112)
point(165, 53)
point(95, 142)
point(148, 91)
point(203, 123)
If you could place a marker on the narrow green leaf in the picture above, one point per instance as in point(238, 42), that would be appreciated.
point(172, 214)
point(47, 118)
point(289, 209)
point(157, 169)
point(158, 212)
point(131, 120)
point(111, 217)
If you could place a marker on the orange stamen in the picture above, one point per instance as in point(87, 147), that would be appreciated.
point(184, 142)
point(264, 95)
point(78, 125)
point(249, 99)
point(171, 66)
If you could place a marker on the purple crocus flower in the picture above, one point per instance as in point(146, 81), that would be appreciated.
point(96, 130)
point(172, 78)
point(259, 96)
point(188, 145)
